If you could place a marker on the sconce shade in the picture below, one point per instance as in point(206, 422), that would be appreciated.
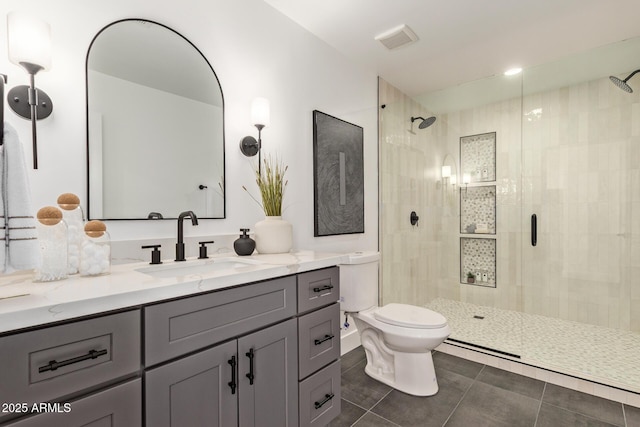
point(29, 41)
point(466, 178)
point(446, 171)
point(260, 114)
point(454, 180)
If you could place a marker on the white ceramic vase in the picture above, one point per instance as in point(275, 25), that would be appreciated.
point(273, 235)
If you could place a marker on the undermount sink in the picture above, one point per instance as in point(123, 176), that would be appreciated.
point(198, 267)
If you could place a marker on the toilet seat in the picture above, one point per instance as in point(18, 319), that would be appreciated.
point(409, 316)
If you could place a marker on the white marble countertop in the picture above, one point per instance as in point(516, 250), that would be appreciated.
point(24, 303)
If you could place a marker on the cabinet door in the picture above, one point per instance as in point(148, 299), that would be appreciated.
point(270, 397)
point(198, 390)
point(117, 406)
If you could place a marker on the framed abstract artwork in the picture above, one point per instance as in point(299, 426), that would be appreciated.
point(338, 172)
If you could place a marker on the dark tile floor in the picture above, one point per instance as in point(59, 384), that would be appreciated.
point(472, 395)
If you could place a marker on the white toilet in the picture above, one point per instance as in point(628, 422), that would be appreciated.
point(397, 338)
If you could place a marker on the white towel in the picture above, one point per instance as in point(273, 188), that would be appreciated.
point(21, 237)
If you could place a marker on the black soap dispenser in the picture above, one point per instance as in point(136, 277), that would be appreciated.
point(245, 244)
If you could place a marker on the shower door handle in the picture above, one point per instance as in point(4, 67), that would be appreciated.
point(534, 230)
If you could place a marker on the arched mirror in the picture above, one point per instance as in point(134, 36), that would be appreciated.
point(155, 125)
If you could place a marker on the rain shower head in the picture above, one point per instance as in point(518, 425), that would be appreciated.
point(622, 84)
point(426, 122)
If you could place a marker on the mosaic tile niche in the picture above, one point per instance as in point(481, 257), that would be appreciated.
point(478, 210)
point(478, 256)
point(478, 156)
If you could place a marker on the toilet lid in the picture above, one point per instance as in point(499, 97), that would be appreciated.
point(410, 316)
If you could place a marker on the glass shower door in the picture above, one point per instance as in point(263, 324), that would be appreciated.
point(580, 183)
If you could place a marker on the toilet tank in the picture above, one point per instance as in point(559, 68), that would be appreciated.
point(359, 281)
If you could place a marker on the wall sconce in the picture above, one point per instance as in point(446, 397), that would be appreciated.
point(29, 41)
point(260, 117)
point(446, 173)
point(466, 179)
point(449, 173)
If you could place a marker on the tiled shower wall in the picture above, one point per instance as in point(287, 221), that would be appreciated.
point(570, 155)
point(422, 263)
point(504, 118)
point(409, 162)
point(581, 176)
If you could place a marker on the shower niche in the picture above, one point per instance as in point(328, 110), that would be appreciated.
point(478, 210)
point(478, 257)
point(478, 157)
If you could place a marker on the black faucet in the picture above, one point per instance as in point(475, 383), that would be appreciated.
point(180, 244)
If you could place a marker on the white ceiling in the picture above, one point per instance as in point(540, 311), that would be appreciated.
point(463, 40)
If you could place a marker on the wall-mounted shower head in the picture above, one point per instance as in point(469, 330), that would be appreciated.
point(622, 84)
point(425, 122)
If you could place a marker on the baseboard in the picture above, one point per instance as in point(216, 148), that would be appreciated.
point(349, 340)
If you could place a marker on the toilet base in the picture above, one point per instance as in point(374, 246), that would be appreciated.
point(413, 373)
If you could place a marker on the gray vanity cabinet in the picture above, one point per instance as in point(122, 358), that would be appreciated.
point(264, 354)
point(197, 390)
point(319, 346)
point(268, 377)
point(50, 375)
point(118, 406)
point(192, 343)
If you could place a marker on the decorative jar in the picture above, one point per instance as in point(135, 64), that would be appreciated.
point(95, 252)
point(52, 239)
point(72, 214)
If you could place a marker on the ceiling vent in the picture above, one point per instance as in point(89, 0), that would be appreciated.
point(397, 37)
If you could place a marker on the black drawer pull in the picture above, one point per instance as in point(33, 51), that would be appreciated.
point(323, 288)
point(250, 375)
point(323, 339)
point(53, 365)
point(233, 384)
point(327, 397)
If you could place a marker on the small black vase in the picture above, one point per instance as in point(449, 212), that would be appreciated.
point(245, 244)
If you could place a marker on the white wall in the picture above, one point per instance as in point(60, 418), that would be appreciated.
point(255, 51)
point(139, 145)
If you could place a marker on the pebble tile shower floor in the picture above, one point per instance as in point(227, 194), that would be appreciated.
point(472, 395)
point(604, 355)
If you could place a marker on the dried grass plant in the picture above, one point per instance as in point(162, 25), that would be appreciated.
point(272, 185)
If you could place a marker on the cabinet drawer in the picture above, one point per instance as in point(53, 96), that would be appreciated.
point(318, 288)
point(118, 406)
point(49, 363)
point(178, 327)
point(319, 339)
point(320, 396)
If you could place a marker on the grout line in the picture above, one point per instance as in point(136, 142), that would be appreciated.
point(353, 366)
point(379, 416)
point(540, 405)
point(361, 417)
point(381, 399)
point(584, 415)
point(355, 404)
point(463, 396)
